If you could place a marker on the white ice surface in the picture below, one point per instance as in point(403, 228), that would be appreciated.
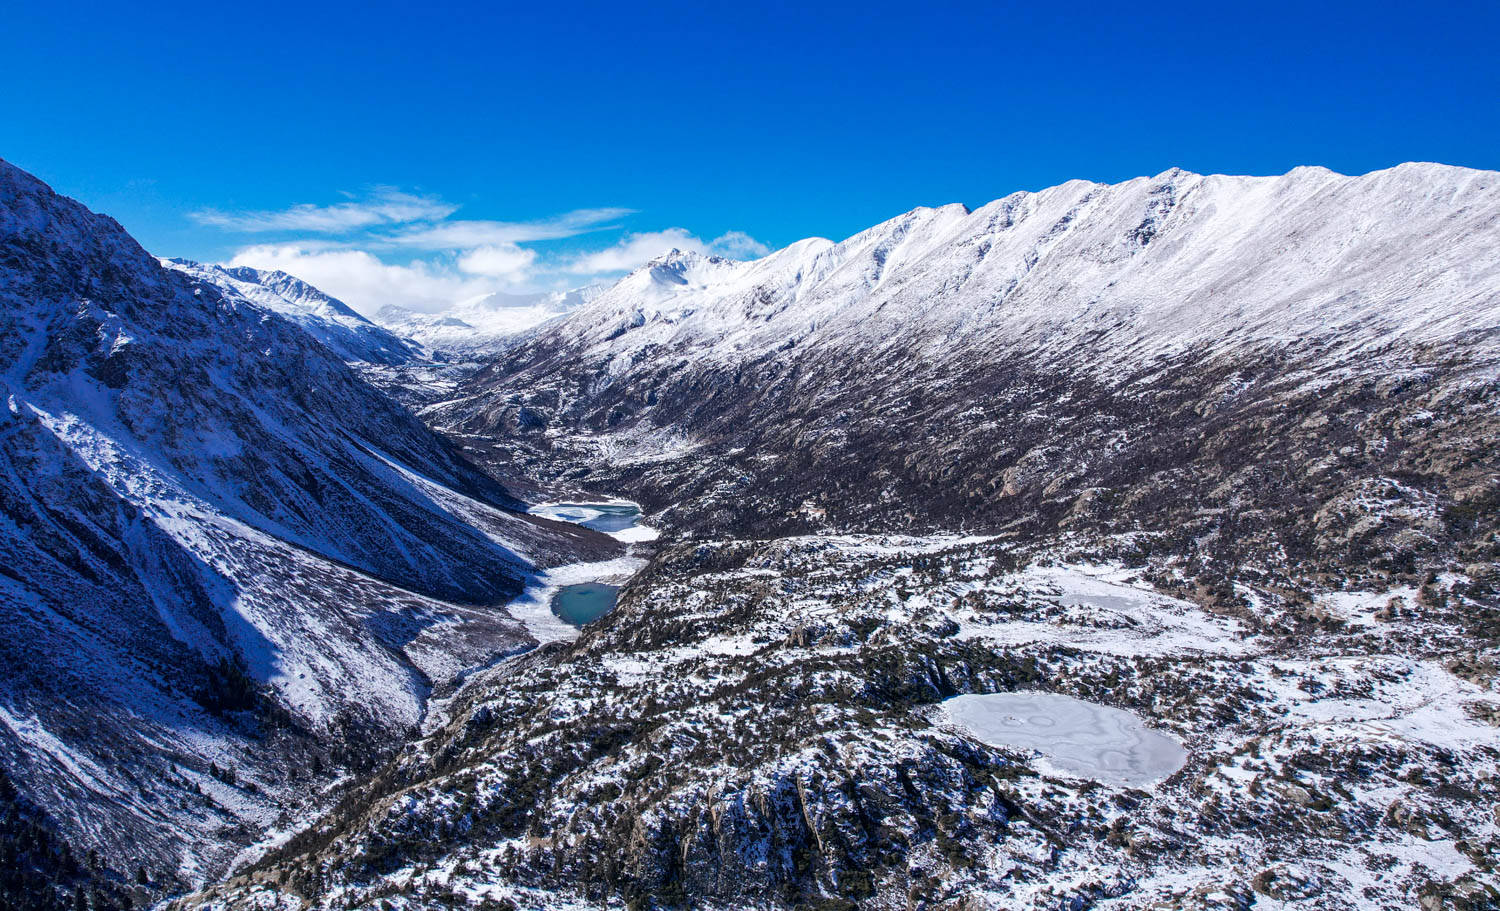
point(1078, 738)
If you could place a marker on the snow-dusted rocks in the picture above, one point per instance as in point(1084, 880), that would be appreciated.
point(762, 724)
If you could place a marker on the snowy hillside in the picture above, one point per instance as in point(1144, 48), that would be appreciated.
point(329, 320)
point(1042, 357)
point(1113, 275)
point(230, 571)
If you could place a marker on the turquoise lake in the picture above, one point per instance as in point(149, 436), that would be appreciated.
point(584, 603)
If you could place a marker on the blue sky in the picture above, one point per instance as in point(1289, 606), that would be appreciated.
point(414, 153)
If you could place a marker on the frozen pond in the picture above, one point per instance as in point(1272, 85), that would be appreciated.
point(559, 600)
point(584, 603)
point(1076, 737)
point(618, 519)
point(604, 517)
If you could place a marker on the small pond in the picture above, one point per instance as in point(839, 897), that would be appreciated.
point(1080, 738)
point(584, 603)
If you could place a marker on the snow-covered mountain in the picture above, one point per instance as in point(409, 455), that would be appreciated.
point(329, 320)
point(1115, 274)
point(230, 570)
point(1217, 456)
point(968, 365)
point(482, 325)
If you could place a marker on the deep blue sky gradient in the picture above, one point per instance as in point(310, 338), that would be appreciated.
point(781, 120)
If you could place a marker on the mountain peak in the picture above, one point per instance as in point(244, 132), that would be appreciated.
point(328, 319)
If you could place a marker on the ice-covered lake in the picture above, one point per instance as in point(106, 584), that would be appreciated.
point(618, 519)
point(587, 600)
point(604, 517)
point(1079, 738)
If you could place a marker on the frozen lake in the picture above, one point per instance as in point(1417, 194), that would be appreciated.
point(581, 593)
point(605, 517)
point(1079, 738)
point(618, 519)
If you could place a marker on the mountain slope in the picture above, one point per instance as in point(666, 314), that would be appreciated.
point(1184, 350)
point(1220, 453)
point(329, 320)
point(230, 570)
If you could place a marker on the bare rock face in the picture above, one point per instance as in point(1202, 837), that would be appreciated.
point(224, 558)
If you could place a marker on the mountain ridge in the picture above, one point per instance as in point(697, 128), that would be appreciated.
point(1150, 202)
point(352, 337)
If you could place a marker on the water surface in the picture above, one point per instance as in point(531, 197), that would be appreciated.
point(584, 603)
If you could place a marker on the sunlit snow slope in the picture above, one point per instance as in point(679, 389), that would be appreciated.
point(331, 321)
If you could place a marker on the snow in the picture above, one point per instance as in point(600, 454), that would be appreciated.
point(334, 323)
point(1410, 700)
point(1400, 253)
point(1079, 738)
point(608, 519)
point(1117, 618)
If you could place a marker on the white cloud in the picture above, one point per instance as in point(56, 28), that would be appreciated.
point(635, 250)
point(459, 259)
point(506, 261)
point(386, 206)
point(739, 245)
point(456, 234)
point(364, 282)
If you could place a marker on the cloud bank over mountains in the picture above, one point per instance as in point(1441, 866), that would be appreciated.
point(394, 247)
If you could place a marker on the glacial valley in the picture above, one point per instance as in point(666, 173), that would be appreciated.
point(1113, 546)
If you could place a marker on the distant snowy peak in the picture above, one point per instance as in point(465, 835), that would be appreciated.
point(655, 290)
point(1146, 267)
point(475, 327)
point(678, 267)
point(328, 319)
